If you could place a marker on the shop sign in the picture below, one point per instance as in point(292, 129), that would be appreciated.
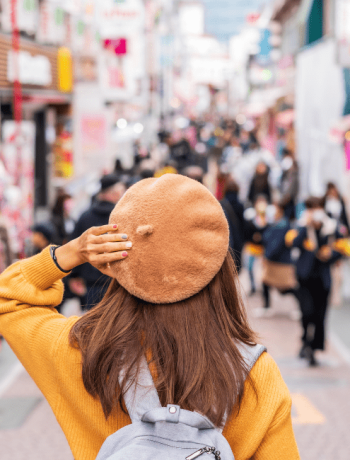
point(85, 69)
point(27, 15)
point(63, 156)
point(119, 76)
point(65, 70)
point(120, 18)
point(52, 27)
point(33, 70)
point(342, 32)
point(18, 157)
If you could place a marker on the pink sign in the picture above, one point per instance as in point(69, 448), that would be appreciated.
point(347, 155)
point(94, 133)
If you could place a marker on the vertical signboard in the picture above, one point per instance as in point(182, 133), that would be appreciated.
point(18, 158)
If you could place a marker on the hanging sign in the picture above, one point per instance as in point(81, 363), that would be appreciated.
point(33, 70)
point(27, 15)
point(120, 18)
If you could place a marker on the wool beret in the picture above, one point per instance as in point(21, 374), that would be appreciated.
point(180, 238)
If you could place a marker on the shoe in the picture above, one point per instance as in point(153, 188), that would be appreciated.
point(252, 292)
point(302, 352)
point(310, 356)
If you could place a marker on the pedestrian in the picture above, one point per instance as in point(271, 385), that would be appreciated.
point(86, 281)
point(43, 234)
point(315, 238)
point(260, 183)
point(335, 208)
point(61, 218)
point(255, 225)
point(278, 266)
point(234, 212)
point(289, 186)
point(172, 312)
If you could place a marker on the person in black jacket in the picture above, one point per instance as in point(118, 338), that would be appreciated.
point(260, 183)
point(335, 208)
point(314, 238)
point(86, 281)
point(234, 211)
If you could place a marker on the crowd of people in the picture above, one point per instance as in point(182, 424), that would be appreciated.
point(282, 243)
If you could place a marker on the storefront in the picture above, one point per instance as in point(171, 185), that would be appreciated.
point(28, 155)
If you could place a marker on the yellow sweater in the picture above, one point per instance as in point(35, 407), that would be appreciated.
point(29, 291)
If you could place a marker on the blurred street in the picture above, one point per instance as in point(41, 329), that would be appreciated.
point(321, 407)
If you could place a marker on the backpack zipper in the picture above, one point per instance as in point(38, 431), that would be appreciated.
point(204, 450)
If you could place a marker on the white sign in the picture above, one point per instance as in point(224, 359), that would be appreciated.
point(33, 70)
point(120, 18)
point(211, 71)
point(191, 19)
point(121, 77)
point(52, 28)
point(27, 15)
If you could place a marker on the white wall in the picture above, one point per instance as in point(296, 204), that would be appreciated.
point(320, 97)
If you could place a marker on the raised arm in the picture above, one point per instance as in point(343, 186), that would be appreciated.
point(30, 289)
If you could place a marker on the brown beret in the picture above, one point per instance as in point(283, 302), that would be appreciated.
point(180, 238)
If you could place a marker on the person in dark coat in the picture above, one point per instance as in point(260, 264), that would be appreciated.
point(260, 183)
point(255, 224)
point(335, 208)
point(289, 186)
point(274, 237)
point(86, 281)
point(314, 238)
point(61, 219)
point(234, 211)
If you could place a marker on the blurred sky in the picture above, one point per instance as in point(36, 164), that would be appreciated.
point(224, 18)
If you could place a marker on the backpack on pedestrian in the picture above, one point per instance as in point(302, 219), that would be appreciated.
point(172, 433)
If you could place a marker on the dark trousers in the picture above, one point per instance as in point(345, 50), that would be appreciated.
point(313, 301)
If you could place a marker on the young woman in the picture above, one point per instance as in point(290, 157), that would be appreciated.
point(173, 298)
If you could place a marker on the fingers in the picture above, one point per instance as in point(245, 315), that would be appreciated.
point(107, 258)
point(112, 247)
point(103, 229)
point(109, 238)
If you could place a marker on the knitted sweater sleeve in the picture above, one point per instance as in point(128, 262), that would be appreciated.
point(29, 290)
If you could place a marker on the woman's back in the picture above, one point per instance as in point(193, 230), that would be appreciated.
point(192, 344)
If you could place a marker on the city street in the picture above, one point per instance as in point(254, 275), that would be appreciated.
point(321, 407)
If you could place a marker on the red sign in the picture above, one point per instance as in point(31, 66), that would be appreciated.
point(119, 46)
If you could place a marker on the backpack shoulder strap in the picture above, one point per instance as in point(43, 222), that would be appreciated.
point(142, 396)
point(250, 355)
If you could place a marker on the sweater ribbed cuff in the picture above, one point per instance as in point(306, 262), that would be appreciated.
point(41, 271)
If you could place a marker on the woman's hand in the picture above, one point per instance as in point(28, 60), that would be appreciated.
point(98, 246)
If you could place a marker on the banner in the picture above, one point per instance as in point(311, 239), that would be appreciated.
point(17, 199)
point(27, 15)
point(121, 18)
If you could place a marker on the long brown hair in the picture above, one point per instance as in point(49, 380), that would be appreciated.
point(191, 346)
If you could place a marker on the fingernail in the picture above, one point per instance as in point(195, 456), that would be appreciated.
point(128, 245)
point(124, 254)
point(125, 237)
point(115, 226)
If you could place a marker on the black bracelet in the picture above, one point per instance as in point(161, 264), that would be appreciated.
point(54, 258)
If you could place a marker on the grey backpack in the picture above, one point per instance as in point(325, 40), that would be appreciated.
point(159, 433)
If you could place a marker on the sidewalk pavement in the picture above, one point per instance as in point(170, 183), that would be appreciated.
point(321, 403)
